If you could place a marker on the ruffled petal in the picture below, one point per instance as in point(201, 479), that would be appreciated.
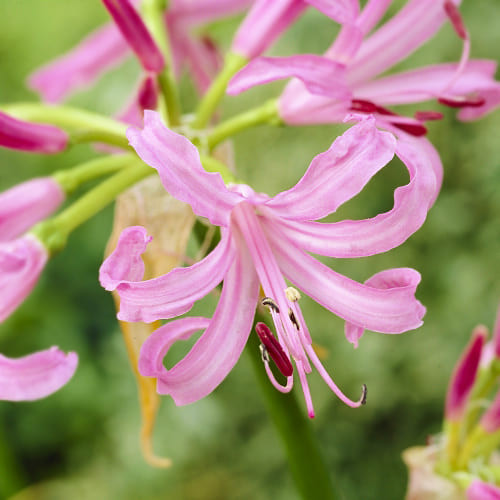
point(99, 52)
point(338, 174)
point(217, 350)
point(21, 262)
point(178, 164)
point(384, 280)
point(320, 75)
point(24, 205)
point(37, 375)
point(411, 27)
point(125, 264)
point(361, 238)
point(174, 293)
point(393, 310)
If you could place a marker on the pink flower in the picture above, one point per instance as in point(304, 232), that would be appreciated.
point(106, 48)
point(26, 204)
point(31, 137)
point(35, 376)
point(146, 98)
point(267, 20)
point(264, 239)
point(468, 85)
point(478, 490)
point(464, 376)
point(136, 33)
point(21, 262)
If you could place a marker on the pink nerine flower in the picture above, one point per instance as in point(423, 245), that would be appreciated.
point(21, 262)
point(106, 47)
point(26, 204)
point(478, 490)
point(136, 33)
point(31, 137)
point(262, 239)
point(469, 85)
point(35, 376)
point(267, 20)
point(464, 375)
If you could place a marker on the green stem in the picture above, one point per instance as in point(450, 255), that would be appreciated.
point(154, 17)
point(309, 471)
point(267, 113)
point(53, 233)
point(84, 125)
point(70, 179)
point(232, 64)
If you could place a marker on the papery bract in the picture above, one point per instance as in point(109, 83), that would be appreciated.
point(31, 137)
point(263, 238)
point(35, 376)
point(21, 262)
point(24, 205)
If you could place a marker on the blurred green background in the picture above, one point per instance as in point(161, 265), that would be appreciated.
point(83, 441)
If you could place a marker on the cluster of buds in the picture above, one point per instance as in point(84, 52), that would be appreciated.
point(464, 461)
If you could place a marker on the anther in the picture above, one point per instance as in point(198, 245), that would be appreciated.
point(456, 19)
point(267, 301)
point(462, 102)
point(264, 354)
point(292, 294)
point(426, 116)
point(274, 349)
point(293, 319)
point(364, 394)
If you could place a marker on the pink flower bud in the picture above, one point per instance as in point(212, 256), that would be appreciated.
point(31, 137)
point(464, 375)
point(136, 33)
point(35, 376)
point(25, 204)
point(21, 262)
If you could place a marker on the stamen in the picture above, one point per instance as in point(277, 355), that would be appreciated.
point(267, 301)
point(363, 106)
point(364, 393)
point(292, 294)
point(293, 319)
point(463, 102)
point(426, 116)
point(264, 354)
point(274, 349)
point(456, 19)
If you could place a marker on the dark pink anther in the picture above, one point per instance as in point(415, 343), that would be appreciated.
point(363, 106)
point(415, 129)
point(148, 94)
point(456, 19)
point(427, 116)
point(274, 349)
point(463, 102)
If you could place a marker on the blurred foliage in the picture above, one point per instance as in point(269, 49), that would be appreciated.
point(83, 441)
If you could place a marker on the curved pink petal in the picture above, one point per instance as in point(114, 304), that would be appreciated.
point(99, 52)
point(371, 14)
point(342, 11)
point(361, 238)
point(205, 11)
point(144, 97)
point(217, 350)
point(394, 310)
point(174, 293)
point(422, 84)
point(320, 75)
point(178, 164)
point(37, 375)
point(125, 264)
point(478, 490)
point(21, 262)
point(263, 24)
point(31, 137)
point(338, 174)
point(384, 280)
point(24, 205)
point(411, 27)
